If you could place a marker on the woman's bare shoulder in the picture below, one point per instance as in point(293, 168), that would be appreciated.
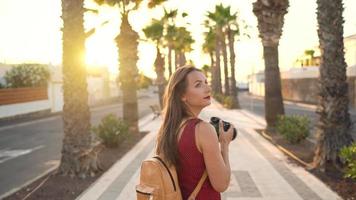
point(203, 125)
point(206, 129)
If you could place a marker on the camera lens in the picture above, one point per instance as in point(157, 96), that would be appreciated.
point(226, 125)
point(215, 119)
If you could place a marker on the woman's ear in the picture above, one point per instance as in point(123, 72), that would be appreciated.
point(183, 98)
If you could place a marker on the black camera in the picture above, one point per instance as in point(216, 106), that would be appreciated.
point(226, 125)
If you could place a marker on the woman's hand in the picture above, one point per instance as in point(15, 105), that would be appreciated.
point(225, 137)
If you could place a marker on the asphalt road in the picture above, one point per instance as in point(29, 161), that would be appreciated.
point(32, 148)
point(256, 105)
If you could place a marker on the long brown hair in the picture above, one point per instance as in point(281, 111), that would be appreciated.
point(174, 111)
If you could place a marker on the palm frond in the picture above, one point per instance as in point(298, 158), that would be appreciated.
point(154, 3)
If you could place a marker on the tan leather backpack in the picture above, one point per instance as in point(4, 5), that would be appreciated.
point(160, 182)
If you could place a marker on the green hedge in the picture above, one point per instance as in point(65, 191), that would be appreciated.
point(27, 75)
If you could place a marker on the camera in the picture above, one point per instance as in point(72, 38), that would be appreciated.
point(226, 125)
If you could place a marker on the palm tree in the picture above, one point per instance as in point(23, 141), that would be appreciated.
point(226, 72)
point(231, 33)
point(182, 44)
point(310, 53)
point(270, 16)
point(216, 74)
point(221, 16)
point(170, 35)
point(231, 30)
point(206, 69)
point(154, 32)
point(334, 125)
point(209, 44)
point(169, 29)
point(127, 42)
point(76, 115)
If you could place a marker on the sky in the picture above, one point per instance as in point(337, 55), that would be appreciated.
point(31, 33)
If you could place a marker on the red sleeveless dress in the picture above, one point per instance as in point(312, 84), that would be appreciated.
point(193, 166)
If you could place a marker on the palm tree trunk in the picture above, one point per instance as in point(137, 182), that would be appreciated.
point(76, 115)
point(127, 44)
point(270, 17)
point(212, 63)
point(226, 73)
point(176, 59)
point(170, 60)
point(182, 59)
point(334, 125)
point(234, 91)
point(216, 75)
point(273, 95)
point(161, 81)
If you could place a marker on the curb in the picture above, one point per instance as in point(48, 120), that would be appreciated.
point(306, 105)
point(28, 119)
point(260, 121)
point(290, 154)
point(14, 190)
point(111, 174)
point(144, 120)
point(285, 151)
point(42, 114)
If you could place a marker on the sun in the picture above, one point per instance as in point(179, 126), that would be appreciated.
point(101, 51)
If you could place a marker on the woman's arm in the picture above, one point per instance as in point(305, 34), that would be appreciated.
point(216, 158)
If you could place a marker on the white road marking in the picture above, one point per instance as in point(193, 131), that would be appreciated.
point(6, 155)
point(28, 123)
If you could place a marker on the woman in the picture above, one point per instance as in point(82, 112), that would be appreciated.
point(189, 143)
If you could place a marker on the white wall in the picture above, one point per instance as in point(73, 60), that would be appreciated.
point(256, 82)
point(55, 96)
point(350, 50)
point(23, 108)
point(299, 73)
point(95, 89)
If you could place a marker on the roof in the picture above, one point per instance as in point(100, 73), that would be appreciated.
point(350, 37)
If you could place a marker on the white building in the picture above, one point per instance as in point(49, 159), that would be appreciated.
point(256, 81)
point(350, 50)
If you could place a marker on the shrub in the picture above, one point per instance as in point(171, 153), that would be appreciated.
point(228, 102)
point(348, 154)
point(144, 82)
point(293, 128)
point(112, 130)
point(27, 75)
point(219, 97)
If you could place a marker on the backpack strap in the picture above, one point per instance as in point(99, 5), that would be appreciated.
point(169, 172)
point(198, 187)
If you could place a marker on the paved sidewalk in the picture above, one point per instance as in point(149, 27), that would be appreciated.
point(259, 170)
